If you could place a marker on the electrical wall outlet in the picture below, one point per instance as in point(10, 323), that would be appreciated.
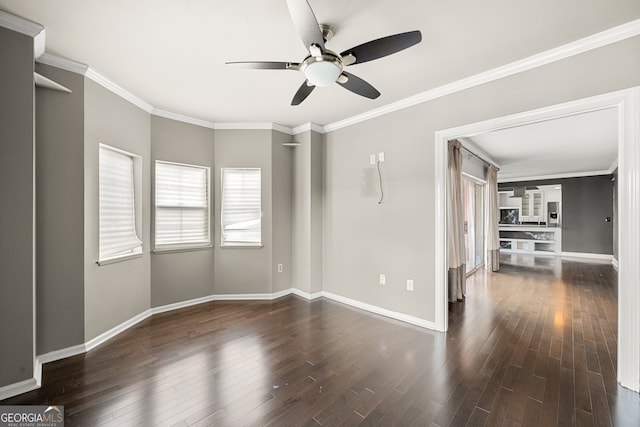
point(409, 285)
point(372, 159)
point(383, 279)
point(381, 156)
point(279, 268)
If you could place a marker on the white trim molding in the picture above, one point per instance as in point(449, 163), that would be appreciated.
point(306, 295)
point(603, 38)
point(118, 90)
point(603, 257)
point(18, 388)
point(33, 383)
point(307, 127)
point(629, 240)
point(381, 311)
point(627, 103)
point(63, 63)
point(507, 178)
point(182, 118)
point(20, 25)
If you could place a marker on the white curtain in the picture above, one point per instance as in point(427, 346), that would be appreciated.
point(455, 225)
point(493, 219)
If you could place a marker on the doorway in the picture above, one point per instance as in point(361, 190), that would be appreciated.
point(627, 103)
point(474, 223)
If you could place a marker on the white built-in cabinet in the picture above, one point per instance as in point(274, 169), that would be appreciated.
point(532, 206)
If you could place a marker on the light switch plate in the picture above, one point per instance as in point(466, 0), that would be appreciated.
point(383, 279)
point(372, 159)
point(409, 285)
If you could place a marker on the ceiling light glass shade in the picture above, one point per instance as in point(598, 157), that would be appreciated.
point(322, 73)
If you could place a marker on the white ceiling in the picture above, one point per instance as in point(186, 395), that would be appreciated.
point(577, 144)
point(171, 53)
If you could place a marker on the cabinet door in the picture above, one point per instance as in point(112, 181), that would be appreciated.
point(525, 208)
point(536, 205)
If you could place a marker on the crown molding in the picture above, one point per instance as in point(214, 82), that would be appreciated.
point(182, 118)
point(503, 179)
point(20, 25)
point(24, 26)
point(603, 38)
point(118, 90)
point(63, 63)
point(308, 127)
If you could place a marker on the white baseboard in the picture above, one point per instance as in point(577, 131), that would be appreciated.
point(18, 388)
point(94, 342)
point(382, 311)
point(61, 354)
point(604, 257)
point(33, 383)
point(306, 295)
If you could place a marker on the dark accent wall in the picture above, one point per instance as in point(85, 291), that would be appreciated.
point(586, 202)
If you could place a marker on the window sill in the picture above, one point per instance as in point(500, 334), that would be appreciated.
point(120, 258)
point(176, 249)
point(241, 246)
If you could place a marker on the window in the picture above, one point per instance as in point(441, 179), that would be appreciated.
point(182, 206)
point(117, 199)
point(241, 211)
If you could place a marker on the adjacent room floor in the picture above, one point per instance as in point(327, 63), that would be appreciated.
point(534, 344)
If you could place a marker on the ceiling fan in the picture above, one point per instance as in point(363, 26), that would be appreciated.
point(322, 66)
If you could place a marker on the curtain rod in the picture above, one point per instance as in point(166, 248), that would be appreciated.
point(477, 157)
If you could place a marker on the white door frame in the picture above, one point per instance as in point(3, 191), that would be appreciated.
point(627, 103)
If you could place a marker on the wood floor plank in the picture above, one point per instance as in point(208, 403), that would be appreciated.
point(533, 344)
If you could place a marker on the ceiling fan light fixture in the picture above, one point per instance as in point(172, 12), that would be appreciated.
point(322, 70)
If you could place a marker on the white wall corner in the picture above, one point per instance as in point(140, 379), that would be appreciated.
point(63, 63)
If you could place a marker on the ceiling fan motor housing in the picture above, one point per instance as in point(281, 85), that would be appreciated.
point(322, 70)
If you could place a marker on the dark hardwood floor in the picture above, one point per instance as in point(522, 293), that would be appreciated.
point(533, 345)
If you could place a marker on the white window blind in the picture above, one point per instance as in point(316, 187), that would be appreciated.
point(241, 211)
point(182, 205)
point(117, 205)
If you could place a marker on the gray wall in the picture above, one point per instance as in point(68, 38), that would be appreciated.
point(307, 212)
point(363, 239)
point(117, 292)
point(60, 213)
point(282, 193)
point(244, 270)
point(181, 276)
point(17, 279)
point(586, 202)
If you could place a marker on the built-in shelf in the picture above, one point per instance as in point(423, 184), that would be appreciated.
point(531, 239)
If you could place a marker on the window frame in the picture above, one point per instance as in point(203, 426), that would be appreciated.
point(188, 246)
point(137, 251)
point(232, 243)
